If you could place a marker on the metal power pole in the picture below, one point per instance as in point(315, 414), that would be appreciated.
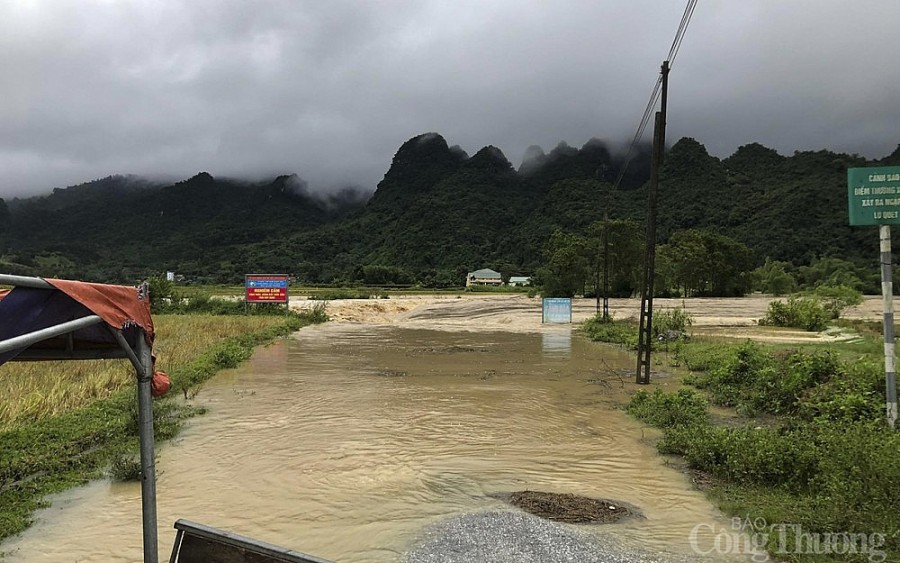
point(887, 292)
point(645, 332)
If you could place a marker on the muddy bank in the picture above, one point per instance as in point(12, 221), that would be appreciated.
point(730, 317)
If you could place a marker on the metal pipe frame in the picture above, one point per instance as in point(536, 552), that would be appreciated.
point(25, 281)
point(142, 360)
point(25, 340)
point(148, 463)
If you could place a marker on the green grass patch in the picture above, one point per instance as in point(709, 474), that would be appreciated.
point(682, 409)
point(348, 293)
point(668, 325)
point(823, 462)
point(600, 329)
point(497, 289)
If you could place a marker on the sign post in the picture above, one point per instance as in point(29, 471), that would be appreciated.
point(266, 288)
point(874, 199)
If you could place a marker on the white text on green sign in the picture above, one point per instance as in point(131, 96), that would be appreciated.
point(874, 195)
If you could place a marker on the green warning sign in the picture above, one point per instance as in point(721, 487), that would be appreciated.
point(874, 195)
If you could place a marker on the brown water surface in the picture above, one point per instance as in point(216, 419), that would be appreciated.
point(347, 440)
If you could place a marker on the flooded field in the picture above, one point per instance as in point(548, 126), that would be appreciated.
point(348, 440)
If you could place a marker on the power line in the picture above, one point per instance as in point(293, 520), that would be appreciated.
point(654, 95)
point(648, 111)
point(682, 28)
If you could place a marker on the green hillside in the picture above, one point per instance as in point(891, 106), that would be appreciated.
point(437, 213)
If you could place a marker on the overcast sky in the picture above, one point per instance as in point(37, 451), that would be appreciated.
point(329, 89)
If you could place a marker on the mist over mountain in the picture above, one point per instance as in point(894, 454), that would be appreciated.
point(437, 213)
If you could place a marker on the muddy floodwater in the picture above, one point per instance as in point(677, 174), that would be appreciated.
point(347, 440)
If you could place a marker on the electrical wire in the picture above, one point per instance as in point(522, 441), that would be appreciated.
point(645, 119)
point(654, 95)
point(682, 28)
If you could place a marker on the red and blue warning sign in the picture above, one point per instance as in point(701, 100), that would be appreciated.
point(266, 288)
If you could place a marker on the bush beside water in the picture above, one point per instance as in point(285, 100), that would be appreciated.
point(625, 333)
point(602, 329)
point(827, 462)
point(814, 311)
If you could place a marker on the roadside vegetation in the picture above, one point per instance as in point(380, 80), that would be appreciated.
point(807, 444)
point(669, 325)
point(498, 289)
point(63, 423)
point(814, 310)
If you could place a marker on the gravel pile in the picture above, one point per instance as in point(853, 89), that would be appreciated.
point(507, 536)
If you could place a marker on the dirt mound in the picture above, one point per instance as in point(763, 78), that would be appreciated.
point(569, 508)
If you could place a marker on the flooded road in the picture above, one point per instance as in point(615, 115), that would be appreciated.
point(346, 441)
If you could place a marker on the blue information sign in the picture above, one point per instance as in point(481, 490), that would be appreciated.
point(557, 310)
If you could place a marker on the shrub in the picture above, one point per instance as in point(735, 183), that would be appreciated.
point(672, 320)
point(854, 393)
point(317, 313)
point(125, 467)
point(161, 291)
point(836, 298)
point(828, 462)
point(754, 381)
point(807, 313)
point(859, 476)
point(602, 329)
point(780, 391)
point(669, 410)
point(704, 358)
point(728, 383)
point(766, 456)
point(230, 355)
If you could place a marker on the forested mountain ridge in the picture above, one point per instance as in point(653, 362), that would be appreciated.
point(436, 214)
point(107, 230)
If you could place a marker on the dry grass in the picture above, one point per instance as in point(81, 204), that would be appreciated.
point(32, 391)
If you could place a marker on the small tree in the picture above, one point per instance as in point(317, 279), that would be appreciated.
point(616, 245)
point(773, 277)
point(160, 289)
point(706, 263)
point(836, 298)
point(566, 265)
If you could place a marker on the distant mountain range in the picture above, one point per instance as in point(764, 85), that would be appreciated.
point(437, 214)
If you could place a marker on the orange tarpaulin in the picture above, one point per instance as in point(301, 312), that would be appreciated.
point(26, 309)
point(120, 306)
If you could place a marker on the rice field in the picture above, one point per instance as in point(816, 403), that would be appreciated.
point(31, 391)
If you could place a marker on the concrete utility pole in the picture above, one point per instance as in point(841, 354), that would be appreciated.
point(887, 292)
point(645, 332)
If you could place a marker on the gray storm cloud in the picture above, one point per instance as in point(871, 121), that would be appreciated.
point(330, 90)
